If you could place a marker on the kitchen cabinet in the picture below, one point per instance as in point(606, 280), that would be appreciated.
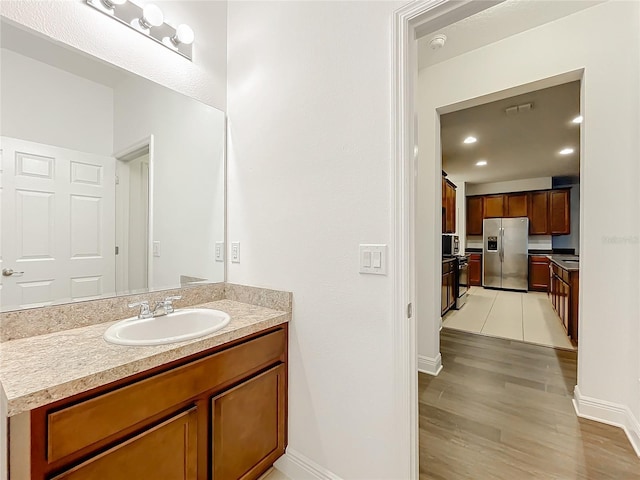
point(559, 222)
point(539, 213)
point(494, 206)
point(538, 273)
point(563, 294)
point(548, 210)
point(475, 215)
point(475, 270)
point(448, 206)
point(448, 289)
point(219, 414)
point(516, 205)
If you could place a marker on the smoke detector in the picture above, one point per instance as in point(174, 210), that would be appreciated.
point(437, 42)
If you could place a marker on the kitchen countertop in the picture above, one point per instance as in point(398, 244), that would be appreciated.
point(39, 370)
point(561, 261)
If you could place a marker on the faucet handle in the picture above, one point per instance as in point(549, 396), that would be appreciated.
point(145, 311)
point(168, 303)
point(174, 297)
point(141, 303)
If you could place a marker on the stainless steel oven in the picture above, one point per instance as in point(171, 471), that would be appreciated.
point(463, 281)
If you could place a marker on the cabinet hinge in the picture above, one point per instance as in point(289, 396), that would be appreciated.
point(409, 310)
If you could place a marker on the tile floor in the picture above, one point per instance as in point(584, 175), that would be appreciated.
point(273, 474)
point(520, 316)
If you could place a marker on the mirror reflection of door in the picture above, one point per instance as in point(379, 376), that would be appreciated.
point(57, 224)
point(132, 222)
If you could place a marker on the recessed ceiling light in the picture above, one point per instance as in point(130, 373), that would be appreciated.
point(566, 151)
point(481, 163)
point(578, 119)
point(470, 140)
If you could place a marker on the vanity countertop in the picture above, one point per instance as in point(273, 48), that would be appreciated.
point(39, 370)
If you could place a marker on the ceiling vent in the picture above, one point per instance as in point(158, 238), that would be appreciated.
point(525, 107)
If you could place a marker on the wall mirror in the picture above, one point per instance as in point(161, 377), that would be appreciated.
point(111, 184)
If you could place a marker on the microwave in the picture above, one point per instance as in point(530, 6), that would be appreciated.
point(450, 245)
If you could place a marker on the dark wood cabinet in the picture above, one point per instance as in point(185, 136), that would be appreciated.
point(220, 414)
point(448, 290)
point(539, 213)
point(475, 270)
point(475, 215)
point(563, 294)
point(538, 273)
point(516, 205)
point(448, 206)
point(559, 218)
point(494, 206)
point(248, 424)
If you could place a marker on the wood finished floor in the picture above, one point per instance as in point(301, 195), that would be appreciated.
point(502, 409)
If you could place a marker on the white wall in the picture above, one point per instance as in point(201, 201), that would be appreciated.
point(188, 175)
point(609, 331)
point(74, 23)
point(309, 179)
point(523, 185)
point(47, 105)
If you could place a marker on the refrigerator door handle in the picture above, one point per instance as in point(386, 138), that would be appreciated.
point(501, 244)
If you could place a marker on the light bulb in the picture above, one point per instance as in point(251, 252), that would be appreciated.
point(184, 34)
point(151, 16)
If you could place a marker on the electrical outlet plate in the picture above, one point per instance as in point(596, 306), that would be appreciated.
point(373, 259)
point(219, 252)
point(235, 252)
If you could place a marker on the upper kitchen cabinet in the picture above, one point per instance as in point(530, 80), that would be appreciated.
point(448, 206)
point(559, 222)
point(539, 213)
point(494, 206)
point(475, 215)
point(516, 205)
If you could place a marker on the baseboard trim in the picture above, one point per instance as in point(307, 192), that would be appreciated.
point(610, 413)
point(430, 366)
point(299, 467)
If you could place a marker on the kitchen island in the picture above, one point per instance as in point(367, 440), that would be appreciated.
point(563, 291)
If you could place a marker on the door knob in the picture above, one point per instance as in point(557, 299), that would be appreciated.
point(7, 272)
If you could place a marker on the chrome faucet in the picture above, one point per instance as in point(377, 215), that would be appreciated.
point(164, 307)
point(145, 311)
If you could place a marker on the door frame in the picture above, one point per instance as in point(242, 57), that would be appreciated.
point(133, 151)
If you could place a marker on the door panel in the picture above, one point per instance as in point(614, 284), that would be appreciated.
point(491, 261)
point(494, 206)
point(515, 263)
point(57, 224)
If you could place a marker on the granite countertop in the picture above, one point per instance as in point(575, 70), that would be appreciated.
point(566, 262)
point(452, 259)
point(39, 370)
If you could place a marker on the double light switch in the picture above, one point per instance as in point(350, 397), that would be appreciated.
point(373, 259)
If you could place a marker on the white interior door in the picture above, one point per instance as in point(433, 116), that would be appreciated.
point(58, 222)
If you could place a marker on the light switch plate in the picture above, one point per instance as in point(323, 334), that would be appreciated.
point(219, 251)
point(373, 259)
point(235, 252)
point(156, 249)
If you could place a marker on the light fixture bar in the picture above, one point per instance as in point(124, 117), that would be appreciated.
point(129, 14)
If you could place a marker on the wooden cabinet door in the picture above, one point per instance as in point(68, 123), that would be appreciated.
point(475, 270)
point(539, 213)
point(444, 294)
point(452, 289)
point(248, 427)
point(494, 206)
point(167, 451)
point(538, 273)
point(450, 208)
point(516, 205)
point(475, 215)
point(559, 217)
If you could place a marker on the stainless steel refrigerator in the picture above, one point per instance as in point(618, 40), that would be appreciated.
point(505, 253)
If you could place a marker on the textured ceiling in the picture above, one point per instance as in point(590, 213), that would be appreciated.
point(524, 145)
point(496, 23)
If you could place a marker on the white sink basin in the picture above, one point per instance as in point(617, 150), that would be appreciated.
point(183, 324)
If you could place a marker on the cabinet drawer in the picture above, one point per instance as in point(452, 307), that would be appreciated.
point(165, 452)
point(115, 411)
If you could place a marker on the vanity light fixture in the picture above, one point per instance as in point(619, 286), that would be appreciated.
point(566, 151)
point(470, 139)
point(149, 21)
point(481, 163)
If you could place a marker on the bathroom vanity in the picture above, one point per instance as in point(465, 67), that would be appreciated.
point(210, 408)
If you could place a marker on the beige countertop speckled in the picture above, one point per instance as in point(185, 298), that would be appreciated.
point(39, 370)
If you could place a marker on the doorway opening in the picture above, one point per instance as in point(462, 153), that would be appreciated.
point(133, 217)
